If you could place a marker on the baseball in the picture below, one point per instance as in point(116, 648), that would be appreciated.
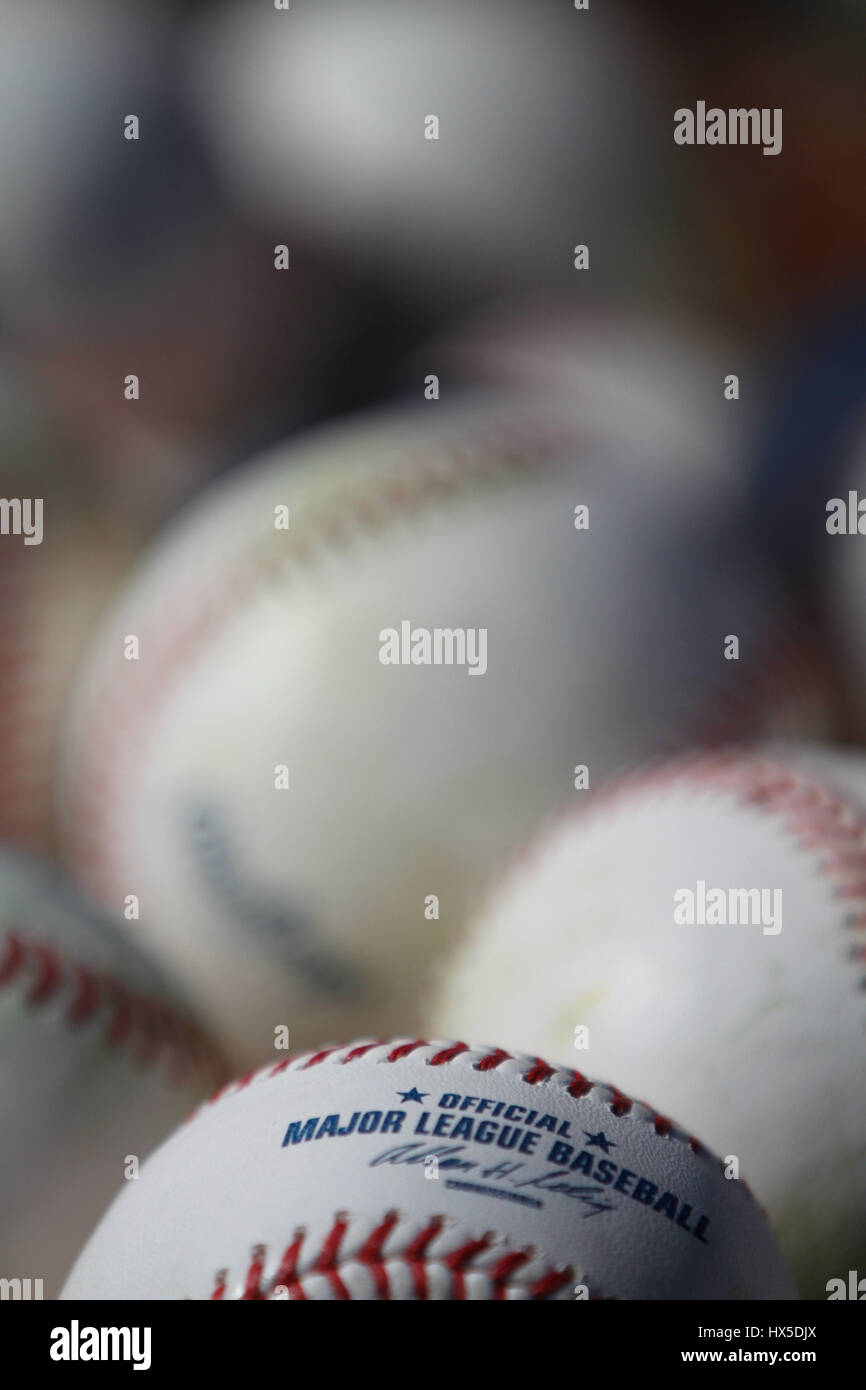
point(414, 1170)
point(97, 1065)
point(700, 929)
point(360, 125)
point(356, 673)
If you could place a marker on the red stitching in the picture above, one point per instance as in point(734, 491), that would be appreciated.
point(328, 1261)
point(458, 1260)
point(416, 1253)
point(12, 959)
point(537, 1072)
point(823, 820)
point(85, 1000)
point(150, 1032)
point(448, 1054)
point(287, 1274)
point(371, 1254)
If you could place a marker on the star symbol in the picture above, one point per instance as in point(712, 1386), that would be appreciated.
point(414, 1094)
point(599, 1141)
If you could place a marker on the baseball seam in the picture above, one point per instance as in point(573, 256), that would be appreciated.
point(821, 820)
point(537, 1072)
point(330, 1265)
point(149, 1033)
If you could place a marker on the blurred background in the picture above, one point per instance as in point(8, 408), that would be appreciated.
point(157, 256)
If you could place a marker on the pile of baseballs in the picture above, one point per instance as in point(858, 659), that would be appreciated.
point(308, 750)
point(432, 687)
point(471, 720)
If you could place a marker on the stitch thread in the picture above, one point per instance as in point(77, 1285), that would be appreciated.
point(147, 1030)
point(537, 1073)
point(328, 1262)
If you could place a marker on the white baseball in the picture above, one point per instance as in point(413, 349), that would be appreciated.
point(323, 115)
point(97, 1065)
point(414, 1170)
point(755, 1033)
point(285, 807)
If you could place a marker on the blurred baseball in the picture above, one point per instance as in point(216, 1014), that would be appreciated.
point(704, 920)
point(453, 148)
point(97, 1065)
point(309, 1182)
point(301, 750)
